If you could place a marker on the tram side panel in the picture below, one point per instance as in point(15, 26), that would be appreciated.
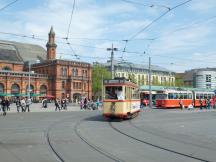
point(120, 109)
point(115, 109)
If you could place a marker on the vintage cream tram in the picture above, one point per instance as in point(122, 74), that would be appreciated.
point(121, 98)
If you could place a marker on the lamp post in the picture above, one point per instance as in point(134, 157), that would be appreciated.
point(150, 91)
point(29, 77)
point(112, 56)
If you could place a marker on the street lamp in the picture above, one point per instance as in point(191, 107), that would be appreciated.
point(112, 55)
point(29, 77)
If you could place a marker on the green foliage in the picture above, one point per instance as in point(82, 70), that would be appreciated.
point(132, 78)
point(179, 82)
point(98, 73)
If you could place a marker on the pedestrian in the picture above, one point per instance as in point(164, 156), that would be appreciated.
point(85, 103)
point(64, 104)
point(81, 104)
point(3, 104)
point(211, 103)
point(57, 105)
point(97, 103)
point(18, 104)
point(44, 103)
point(23, 104)
point(181, 104)
point(201, 103)
point(7, 104)
point(28, 103)
point(207, 103)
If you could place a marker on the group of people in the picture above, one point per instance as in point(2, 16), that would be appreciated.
point(23, 104)
point(203, 103)
point(60, 104)
point(89, 104)
point(4, 105)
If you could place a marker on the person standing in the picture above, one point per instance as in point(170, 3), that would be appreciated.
point(28, 103)
point(3, 104)
point(201, 103)
point(23, 104)
point(181, 104)
point(18, 104)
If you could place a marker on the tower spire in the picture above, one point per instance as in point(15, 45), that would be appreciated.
point(51, 45)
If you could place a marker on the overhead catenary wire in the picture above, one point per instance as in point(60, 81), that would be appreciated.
point(158, 18)
point(146, 5)
point(72, 12)
point(8, 5)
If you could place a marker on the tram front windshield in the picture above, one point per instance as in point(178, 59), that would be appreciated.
point(114, 93)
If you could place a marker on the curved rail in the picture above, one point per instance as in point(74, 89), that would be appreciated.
point(94, 147)
point(59, 157)
point(157, 146)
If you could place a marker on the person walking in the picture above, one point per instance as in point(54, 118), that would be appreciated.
point(57, 105)
point(3, 104)
point(81, 104)
point(7, 104)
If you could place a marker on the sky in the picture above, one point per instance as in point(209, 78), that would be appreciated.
point(183, 39)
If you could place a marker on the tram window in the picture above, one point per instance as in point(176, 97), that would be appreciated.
point(189, 96)
point(110, 93)
point(197, 96)
point(135, 94)
point(127, 93)
point(161, 96)
point(205, 95)
point(185, 96)
point(209, 96)
point(175, 95)
point(201, 96)
point(181, 96)
point(170, 96)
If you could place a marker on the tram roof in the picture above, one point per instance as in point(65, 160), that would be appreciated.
point(160, 88)
point(119, 81)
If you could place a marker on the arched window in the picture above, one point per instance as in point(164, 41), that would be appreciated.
point(6, 68)
point(31, 89)
point(15, 89)
point(1, 88)
point(43, 90)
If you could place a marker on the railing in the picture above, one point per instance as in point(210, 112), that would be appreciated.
point(21, 74)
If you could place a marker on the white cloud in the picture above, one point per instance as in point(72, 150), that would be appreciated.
point(202, 5)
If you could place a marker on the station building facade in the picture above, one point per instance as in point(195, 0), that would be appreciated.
point(140, 73)
point(21, 63)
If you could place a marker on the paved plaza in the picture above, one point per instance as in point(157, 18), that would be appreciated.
point(156, 135)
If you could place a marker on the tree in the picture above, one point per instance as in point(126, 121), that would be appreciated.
point(179, 82)
point(99, 72)
point(132, 78)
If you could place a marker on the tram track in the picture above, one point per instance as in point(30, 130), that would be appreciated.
point(56, 153)
point(95, 147)
point(155, 145)
point(165, 137)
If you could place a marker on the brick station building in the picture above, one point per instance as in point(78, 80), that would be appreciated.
point(51, 77)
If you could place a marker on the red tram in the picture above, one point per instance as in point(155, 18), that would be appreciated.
point(171, 98)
